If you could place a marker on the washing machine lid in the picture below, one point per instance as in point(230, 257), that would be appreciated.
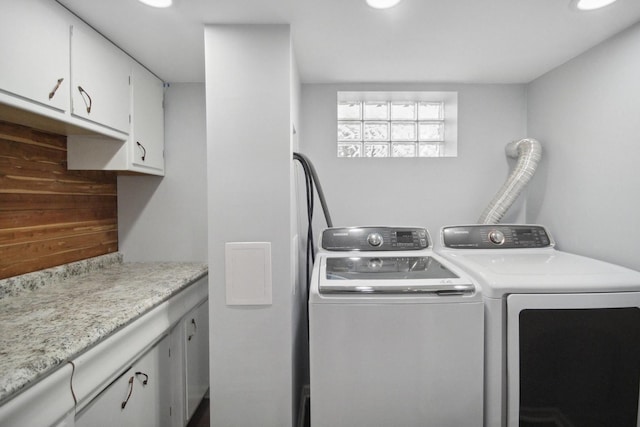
point(509, 271)
point(521, 258)
point(390, 275)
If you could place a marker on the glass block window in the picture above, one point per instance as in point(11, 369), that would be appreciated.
point(397, 124)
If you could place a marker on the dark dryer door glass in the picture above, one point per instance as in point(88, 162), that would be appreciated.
point(579, 367)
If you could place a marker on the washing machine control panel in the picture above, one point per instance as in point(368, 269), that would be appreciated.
point(497, 236)
point(375, 239)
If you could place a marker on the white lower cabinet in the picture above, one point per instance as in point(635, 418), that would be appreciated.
point(190, 363)
point(196, 325)
point(162, 387)
point(139, 397)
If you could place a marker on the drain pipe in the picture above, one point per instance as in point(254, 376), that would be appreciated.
point(528, 152)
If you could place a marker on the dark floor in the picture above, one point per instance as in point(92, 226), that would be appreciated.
point(201, 416)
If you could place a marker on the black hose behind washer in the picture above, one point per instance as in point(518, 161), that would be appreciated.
point(311, 180)
point(316, 182)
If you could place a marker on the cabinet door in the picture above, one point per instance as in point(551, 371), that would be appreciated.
point(35, 52)
point(100, 80)
point(152, 403)
point(106, 409)
point(147, 120)
point(138, 398)
point(197, 355)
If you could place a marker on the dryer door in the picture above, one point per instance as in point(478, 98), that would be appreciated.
point(573, 359)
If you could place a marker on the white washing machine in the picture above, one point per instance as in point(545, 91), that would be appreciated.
point(395, 333)
point(562, 331)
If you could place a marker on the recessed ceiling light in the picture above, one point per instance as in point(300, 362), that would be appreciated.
point(157, 3)
point(382, 4)
point(590, 4)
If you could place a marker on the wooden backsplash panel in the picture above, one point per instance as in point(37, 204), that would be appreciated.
point(49, 215)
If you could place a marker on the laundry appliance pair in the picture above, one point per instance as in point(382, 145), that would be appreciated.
point(402, 334)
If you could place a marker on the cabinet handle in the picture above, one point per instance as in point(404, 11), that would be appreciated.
point(146, 377)
point(130, 391)
point(144, 150)
point(85, 96)
point(55, 89)
point(195, 329)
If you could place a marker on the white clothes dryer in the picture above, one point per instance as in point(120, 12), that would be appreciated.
point(562, 331)
point(395, 333)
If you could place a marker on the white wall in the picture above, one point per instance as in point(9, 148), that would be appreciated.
point(586, 114)
point(429, 192)
point(249, 146)
point(165, 219)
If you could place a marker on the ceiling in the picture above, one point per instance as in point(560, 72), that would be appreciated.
point(463, 41)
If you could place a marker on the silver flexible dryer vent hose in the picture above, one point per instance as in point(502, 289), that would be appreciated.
point(528, 152)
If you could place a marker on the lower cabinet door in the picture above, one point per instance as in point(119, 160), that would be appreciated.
point(139, 397)
point(196, 324)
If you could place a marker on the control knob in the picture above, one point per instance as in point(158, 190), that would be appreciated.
point(496, 236)
point(374, 239)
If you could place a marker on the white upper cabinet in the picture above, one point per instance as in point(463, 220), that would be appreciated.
point(60, 75)
point(99, 79)
point(147, 121)
point(143, 150)
point(34, 49)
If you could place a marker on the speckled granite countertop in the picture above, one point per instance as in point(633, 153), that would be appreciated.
point(47, 318)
